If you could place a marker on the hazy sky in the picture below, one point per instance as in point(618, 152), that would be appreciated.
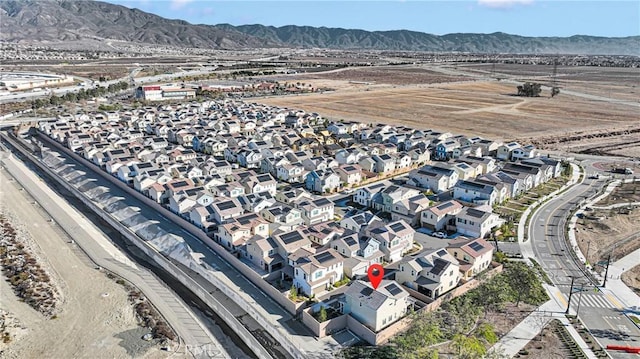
point(521, 17)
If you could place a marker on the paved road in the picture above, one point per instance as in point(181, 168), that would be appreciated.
point(93, 242)
point(601, 312)
point(261, 303)
point(26, 96)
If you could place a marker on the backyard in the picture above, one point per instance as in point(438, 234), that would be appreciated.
point(466, 326)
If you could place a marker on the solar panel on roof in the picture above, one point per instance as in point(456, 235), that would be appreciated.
point(445, 205)
point(324, 257)
point(290, 237)
point(180, 184)
point(438, 266)
point(476, 246)
point(192, 191)
point(442, 252)
point(247, 218)
point(349, 168)
point(366, 291)
point(359, 219)
point(321, 202)
point(393, 289)
point(475, 213)
point(350, 241)
point(226, 205)
point(397, 227)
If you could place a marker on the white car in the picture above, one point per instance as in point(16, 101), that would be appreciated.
point(439, 235)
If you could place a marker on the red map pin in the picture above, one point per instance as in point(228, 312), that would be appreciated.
point(375, 273)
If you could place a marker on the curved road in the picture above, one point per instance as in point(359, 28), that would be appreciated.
point(600, 311)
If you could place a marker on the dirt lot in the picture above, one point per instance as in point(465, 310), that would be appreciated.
point(95, 319)
point(624, 193)
point(632, 279)
point(472, 108)
point(389, 75)
point(605, 230)
point(547, 344)
point(92, 71)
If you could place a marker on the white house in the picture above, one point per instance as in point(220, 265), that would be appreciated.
point(438, 217)
point(431, 274)
point(318, 272)
point(474, 255)
point(472, 222)
point(395, 238)
point(376, 308)
point(475, 192)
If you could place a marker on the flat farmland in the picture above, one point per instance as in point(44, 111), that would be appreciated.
point(395, 75)
point(485, 108)
point(611, 82)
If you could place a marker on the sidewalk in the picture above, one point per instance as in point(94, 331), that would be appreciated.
point(526, 247)
point(511, 343)
point(618, 293)
point(626, 298)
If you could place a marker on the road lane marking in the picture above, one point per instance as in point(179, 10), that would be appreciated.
point(614, 301)
point(561, 297)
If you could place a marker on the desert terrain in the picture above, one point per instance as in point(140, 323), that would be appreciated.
point(612, 231)
point(470, 100)
point(95, 318)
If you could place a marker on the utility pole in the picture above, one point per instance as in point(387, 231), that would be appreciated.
point(570, 294)
point(606, 271)
point(586, 257)
point(580, 299)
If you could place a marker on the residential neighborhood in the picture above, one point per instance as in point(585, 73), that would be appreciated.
point(309, 204)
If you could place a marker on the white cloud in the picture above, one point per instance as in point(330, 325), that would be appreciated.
point(502, 4)
point(178, 4)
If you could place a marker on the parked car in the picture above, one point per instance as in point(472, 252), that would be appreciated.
point(626, 171)
point(439, 235)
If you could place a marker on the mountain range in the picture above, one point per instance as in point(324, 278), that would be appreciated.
point(55, 21)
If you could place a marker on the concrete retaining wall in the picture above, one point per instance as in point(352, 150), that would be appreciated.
point(291, 307)
point(233, 323)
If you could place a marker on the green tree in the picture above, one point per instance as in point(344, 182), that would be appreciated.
point(529, 89)
point(525, 283)
point(293, 293)
point(486, 332)
point(467, 347)
point(462, 313)
point(493, 294)
point(55, 100)
point(322, 315)
point(423, 332)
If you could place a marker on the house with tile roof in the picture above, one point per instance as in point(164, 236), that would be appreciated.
point(359, 253)
point(316, 273)
point(474, 255)
point(475, 192)
point(438, 217)
point(435, 178)
point(395, 238)
point(262, 252)
point(376, 308)
point(473, 222)
point(432, 274)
